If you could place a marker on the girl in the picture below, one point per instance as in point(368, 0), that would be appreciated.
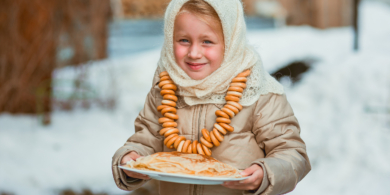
point(219, 97)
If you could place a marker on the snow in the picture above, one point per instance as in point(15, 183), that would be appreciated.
point(342, 104)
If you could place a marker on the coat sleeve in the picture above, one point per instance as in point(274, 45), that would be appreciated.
point(145, 141)
point(277, 133)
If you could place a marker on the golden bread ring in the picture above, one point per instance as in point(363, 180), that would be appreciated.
point(168, 102)
point(239, 79)
point(165, 73)
point(170, 87)
point(234, 93)
point(232, 98)
point(170, 97)
point(169, 124)
point(168, 109)
point(218, 135)
point(220, 128)
point(244, 74)
point(168, 138)
point(164, 119)
point(171, 131)
point(235, 104)
point(200, 149)
point(206, 135)
point(163, 131)
point(162, 83)
point(194, 148)
point(165, 78)
point(242, 85)
point(160, 107)
point(232, 108)
point(206, 143)
point(227, 127)
point(180, 147)
point(178, 140)
point(189, 150)
point(171, 116)
point(214, 139)
point(223, 120)
point(227, 111)
point(206, 150)
point(185, 146)
point(171, 141)
point(238, 89)
point(167, 91)
point(221, 114)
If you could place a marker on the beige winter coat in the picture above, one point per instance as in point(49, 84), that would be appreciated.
point(265, 133)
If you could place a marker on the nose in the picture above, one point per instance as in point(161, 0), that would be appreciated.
point(195, 52)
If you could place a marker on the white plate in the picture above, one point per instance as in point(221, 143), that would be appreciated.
point(182, 178)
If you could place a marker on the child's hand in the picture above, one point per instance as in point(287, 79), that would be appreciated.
point(252, 183)
point(132, 156)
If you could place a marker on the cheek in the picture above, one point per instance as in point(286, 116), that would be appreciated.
point(180, 52)
point(215, 56)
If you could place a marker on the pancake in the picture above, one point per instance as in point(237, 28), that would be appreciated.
point(184, 163)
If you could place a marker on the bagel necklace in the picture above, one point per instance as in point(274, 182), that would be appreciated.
point(209, 139)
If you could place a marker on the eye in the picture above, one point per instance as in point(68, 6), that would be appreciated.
point(183, 40)
point(207, 42)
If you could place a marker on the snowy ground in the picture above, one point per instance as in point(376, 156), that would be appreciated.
point(343, 105)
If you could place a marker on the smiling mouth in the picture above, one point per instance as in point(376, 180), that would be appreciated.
point(195, 66)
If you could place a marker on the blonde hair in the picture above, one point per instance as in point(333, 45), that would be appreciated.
point(204, 12)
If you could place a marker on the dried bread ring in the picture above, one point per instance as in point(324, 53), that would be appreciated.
point(234, 93)
point(194, 148)
point(178, 140)
point(168, 102)
point(232, 98)
point(218, 135)
point(163, 131)
point(162, 83)
point(164, 119)
point(171, 141)
point(200, 149)
point(227, 127)
point(206, 143)
point(171, 116)
point(171, 131)
point(223, 120)
point(185, 146)
point(232, 108)
point(189, 150)
point(235, 104)
point(168, 109)
point(214, 139)
point(242, 85)
point(165, 73)
point(220, 128)
point(168, 138)
point(160, 107)
point(180, 147)
point(239, 79)
point(245, 73)
point(206, 150)
point(169, 124)
point(167, 91)
point(170, 87)
point(238, 89)
point(227, 111)
point(165, 78)
point(206, 135)
point(170, 97)
point(221, 114)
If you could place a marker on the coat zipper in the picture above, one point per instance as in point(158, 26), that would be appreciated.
point(200, 113)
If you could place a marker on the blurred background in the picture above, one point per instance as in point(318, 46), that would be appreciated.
point(74, 75)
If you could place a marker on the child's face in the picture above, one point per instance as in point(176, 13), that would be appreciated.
point(198, 48)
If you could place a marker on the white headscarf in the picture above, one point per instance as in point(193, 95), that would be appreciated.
point(238, 57)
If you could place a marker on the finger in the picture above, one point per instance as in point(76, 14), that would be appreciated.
point(136, 175)
point(250, 170)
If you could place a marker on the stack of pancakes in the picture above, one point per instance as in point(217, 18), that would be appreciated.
point(184, 163)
